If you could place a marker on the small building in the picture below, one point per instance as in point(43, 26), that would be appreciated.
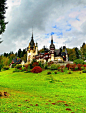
point(16, 61)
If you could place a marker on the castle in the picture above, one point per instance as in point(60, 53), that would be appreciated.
point(50, 54)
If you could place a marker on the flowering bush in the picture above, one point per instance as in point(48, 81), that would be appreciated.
point(36, 69)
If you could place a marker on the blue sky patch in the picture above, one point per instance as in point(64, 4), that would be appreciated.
point(84, 6)
point(55, 26)
point(52, 33)
point(68, 29)
point(77, 19)
point(59, 33)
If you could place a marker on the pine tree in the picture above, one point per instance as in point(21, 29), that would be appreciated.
point(2, 17)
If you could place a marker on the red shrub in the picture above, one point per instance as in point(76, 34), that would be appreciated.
point(50, 63)
point(72, 66)
point(35, 64)
point(68, 65)
point(36, 69)
point(79, 66)
point(20, 68)
point(84, 65)
point(26, 67)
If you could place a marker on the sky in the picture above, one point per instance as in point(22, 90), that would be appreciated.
point(64, 19)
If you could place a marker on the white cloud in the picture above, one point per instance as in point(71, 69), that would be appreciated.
point(42, 15)
point(74, 14)
point(60, 18)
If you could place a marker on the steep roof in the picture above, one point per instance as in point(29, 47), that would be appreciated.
point(52, 45)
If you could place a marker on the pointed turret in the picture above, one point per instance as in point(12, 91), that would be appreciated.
point(32, 42)
point(52, 45)
point(51, 40)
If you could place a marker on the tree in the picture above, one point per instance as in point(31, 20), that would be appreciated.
point(77, 52)
point(19, 53)
point(83, 51)
point(71, 54)
point(41, 50)
point(5, 61)
point(2, 17)
point(24, 57)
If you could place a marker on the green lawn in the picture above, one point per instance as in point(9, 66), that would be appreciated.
point(42, 93)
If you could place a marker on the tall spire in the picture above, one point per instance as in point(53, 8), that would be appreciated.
point(32, 32)
point(51, 39)
point(52, 45)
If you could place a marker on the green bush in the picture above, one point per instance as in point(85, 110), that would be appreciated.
point(13, 65)
point(0, 67)
point(17, 70)
point(84, 71)
point(18, 66)
point(78, 61)
point(48, 73)
point(69, 72)
point(46, 66)
point(55, 72)
point(54, 67)
point(6, 67)
point(58, 65)
point(23, 69)
point(29, 68)
point(76, 68)
point(41, 65)
point(82, 68)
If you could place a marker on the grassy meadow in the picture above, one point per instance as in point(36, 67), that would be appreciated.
point(42, 93)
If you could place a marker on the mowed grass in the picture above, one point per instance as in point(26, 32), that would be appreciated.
point(42, 93)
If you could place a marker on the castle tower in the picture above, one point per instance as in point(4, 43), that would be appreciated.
point(36, 48)
point(52, 49)
point(32, 50)
point(66, 54)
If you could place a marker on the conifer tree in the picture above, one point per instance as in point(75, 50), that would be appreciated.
point(2, 16)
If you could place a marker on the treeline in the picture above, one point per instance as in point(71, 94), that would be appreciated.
point(7, 58)
point(76, 53)
point(73, 54)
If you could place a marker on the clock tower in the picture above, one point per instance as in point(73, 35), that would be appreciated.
point(52, 49)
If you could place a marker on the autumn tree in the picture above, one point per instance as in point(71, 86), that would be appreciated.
point(5, 61)
point(71, 54)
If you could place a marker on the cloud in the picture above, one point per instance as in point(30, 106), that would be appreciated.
point(67, 18)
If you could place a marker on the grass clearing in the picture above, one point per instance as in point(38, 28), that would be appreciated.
point(42, 93)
